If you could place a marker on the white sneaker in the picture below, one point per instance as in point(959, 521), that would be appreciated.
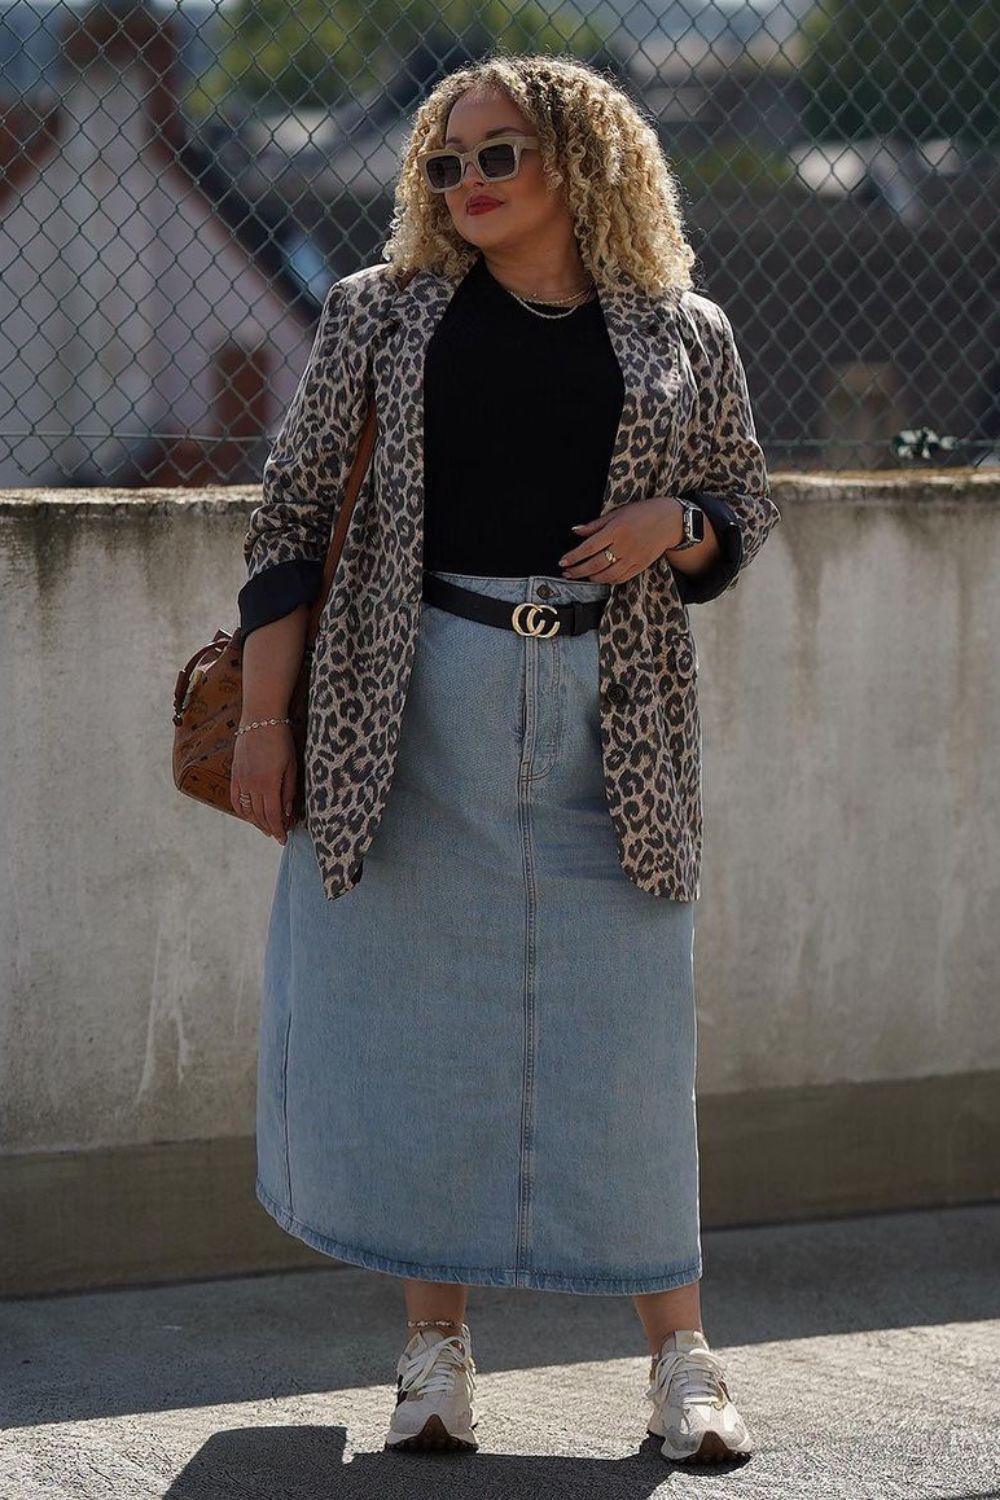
point(435, 1381)
point(692, 1410)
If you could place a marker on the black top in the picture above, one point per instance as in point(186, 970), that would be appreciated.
point(520, 417)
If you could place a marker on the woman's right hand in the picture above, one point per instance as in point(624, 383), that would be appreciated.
point(265, 766)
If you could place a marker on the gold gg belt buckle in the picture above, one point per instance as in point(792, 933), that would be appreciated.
point(532, 625)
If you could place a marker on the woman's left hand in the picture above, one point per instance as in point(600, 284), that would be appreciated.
point(637, 533)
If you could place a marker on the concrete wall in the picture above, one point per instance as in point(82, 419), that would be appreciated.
point(846, 952)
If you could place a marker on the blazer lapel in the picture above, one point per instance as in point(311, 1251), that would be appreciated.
point(397, 374)
point(644, 334)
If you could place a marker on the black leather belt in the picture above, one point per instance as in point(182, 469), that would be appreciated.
point(527, 617)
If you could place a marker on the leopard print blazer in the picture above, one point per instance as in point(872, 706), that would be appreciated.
point(686, 426)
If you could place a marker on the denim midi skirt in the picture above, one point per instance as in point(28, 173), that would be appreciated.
point(478, 1064)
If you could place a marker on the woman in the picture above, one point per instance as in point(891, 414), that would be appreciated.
point(477, 1063)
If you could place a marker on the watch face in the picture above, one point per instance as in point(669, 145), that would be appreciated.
point(696, 521)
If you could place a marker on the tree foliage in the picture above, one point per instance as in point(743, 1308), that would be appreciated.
point(300, 54)
point(914, 68)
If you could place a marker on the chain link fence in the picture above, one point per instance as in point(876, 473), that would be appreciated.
point(180, 184)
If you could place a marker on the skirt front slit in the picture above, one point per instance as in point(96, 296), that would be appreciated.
point(478, 1065)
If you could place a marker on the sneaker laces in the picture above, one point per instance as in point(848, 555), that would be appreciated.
point(450, 1354)
point(699, 1373)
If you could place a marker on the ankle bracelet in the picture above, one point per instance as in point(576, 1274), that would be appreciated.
point(433, 1323)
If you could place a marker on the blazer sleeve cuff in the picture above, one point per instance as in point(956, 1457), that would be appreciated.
point(277, 590)
point(721, 573)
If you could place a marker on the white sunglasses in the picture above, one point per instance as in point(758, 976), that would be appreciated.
point(496, 160)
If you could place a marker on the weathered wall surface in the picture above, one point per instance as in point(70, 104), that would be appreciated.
point(847, 936)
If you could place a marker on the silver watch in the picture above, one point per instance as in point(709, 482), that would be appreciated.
point(694, 525)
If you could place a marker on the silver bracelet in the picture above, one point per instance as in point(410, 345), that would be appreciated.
point(257, 723)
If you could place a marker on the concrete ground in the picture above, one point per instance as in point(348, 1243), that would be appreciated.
point(864, 1354)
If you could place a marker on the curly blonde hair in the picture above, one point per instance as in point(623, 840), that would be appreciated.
point(620, 189)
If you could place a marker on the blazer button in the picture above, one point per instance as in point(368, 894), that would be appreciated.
point(617, 693)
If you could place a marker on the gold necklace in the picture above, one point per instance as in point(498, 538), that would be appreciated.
point(577, 299)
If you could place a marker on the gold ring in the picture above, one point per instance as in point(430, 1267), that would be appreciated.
point(610, 555)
